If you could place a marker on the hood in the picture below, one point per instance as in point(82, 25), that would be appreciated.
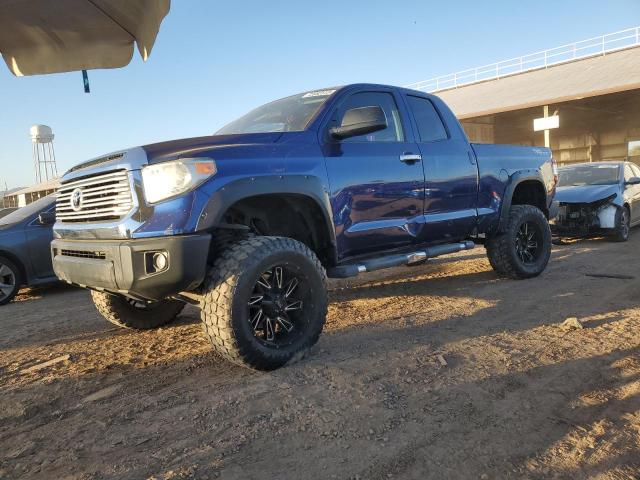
point(160, 152)
point(585, 193)
point(6, 228)
point(136, 157)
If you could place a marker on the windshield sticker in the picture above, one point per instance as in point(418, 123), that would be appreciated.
point(318, 93)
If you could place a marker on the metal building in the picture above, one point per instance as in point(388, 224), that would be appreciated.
point(24, 196)
point(591, 88)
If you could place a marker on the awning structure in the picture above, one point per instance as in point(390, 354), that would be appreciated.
point(52, 36)
point(611, 73)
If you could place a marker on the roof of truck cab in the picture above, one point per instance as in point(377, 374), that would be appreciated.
point(379, 85)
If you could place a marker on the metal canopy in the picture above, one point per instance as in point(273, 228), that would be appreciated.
point(45, 36)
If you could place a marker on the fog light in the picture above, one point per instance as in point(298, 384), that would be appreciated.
point(160, 261)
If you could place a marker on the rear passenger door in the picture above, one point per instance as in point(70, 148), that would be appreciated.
point(451, 175)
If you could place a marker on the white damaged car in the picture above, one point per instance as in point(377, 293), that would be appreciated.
point(600, 198)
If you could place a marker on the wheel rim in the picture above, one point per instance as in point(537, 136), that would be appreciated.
point(528, 243)
point(276, 306)
point(7, 281)
point(625, 223)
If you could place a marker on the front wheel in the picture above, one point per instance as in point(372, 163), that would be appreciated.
point(623, 225)
point(130, 313)
point(10, 280)
point(523, 250)
point(265, 302)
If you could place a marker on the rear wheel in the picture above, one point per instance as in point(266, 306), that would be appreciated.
point(523, 250)
point(10, 280)
point(130, 313)
point(265, 302)
point(623, 225)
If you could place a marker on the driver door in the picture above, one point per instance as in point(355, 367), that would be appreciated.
point(376, 180)
point(39, 239)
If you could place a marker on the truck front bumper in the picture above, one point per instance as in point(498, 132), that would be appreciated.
point(134, 267)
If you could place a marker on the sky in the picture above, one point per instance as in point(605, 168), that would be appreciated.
point(215, 60)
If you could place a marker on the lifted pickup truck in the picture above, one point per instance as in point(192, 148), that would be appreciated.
point(249, 222)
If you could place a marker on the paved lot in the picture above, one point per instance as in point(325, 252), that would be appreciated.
point(519, 397)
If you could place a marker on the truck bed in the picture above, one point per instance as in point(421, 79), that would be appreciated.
point(496, 166)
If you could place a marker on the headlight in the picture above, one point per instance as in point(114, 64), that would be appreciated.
point(169, 179)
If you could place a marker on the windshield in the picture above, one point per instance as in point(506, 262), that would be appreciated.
point(291, 114)
point(28, 211)
point(589, 175)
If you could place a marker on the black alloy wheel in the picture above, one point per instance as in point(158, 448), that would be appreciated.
point(523, 249)
point(265, 302)
point(528, 240)
point(274, 306)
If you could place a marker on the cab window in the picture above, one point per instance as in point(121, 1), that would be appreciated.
point(393, 132)
point(430, 126)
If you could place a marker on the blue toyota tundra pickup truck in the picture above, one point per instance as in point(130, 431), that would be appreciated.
point(249, 222)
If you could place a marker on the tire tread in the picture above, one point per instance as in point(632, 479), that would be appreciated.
point(115, 310)
point(220, 288)
point(499, 246)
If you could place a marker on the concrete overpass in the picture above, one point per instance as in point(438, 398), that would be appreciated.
point(593, 86)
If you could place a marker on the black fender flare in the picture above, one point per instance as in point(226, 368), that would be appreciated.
point(235, 191)
point(514, 180)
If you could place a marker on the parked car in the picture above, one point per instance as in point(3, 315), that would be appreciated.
point(244, 223)
point(598, 198)
point(25, 255)
point(6, 211)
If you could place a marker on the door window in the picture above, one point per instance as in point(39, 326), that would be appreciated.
point(393, 132)
point(430, 126)
point(628, 173)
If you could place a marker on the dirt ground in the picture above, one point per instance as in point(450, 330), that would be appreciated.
point(519, 397)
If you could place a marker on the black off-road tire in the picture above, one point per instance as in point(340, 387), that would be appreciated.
point(15, 276)
point(623, 225)
point(501, 249)
point(122, 313)
point(229, 286)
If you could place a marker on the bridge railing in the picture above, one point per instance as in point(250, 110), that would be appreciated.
point(591, 47)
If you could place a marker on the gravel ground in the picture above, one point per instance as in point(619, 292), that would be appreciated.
point(437, 371)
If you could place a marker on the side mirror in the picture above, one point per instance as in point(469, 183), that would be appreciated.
point(360, 121)
point(47, 218)
point(633, 181)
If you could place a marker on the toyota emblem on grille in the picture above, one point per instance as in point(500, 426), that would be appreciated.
point(76, 199)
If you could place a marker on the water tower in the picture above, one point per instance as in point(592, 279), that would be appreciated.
point(44, 157)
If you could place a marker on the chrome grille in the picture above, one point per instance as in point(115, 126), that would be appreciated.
point(103, 197)
point(83, 254)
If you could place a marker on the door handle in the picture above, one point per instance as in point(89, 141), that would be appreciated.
point(410, 158)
